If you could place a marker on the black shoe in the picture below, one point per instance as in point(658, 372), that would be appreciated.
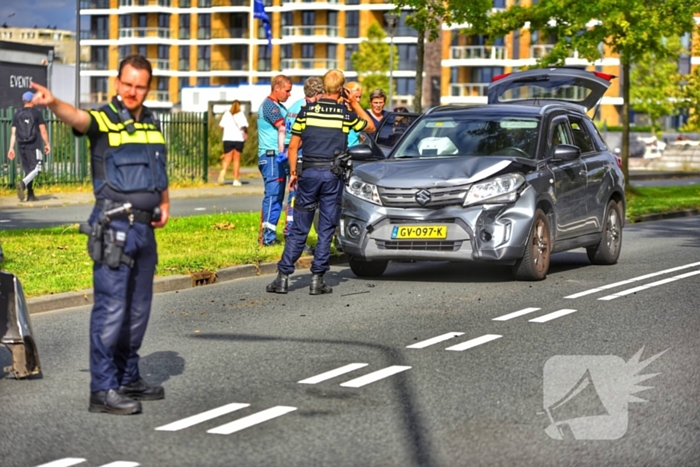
point(142, 391)
point(113, 402)
point(31, 197)
point(279, 285)
point(20, 189)
point(272, 243)
point(318, 287)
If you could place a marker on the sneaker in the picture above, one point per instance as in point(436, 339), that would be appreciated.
point(272, 243)
point(142, 391)
point(20, 189)
point(113, 402)
point(220, 180)
point(237, 183)
point(31, 197)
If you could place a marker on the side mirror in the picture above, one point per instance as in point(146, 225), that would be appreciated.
point(361, 152)
point(566, 152)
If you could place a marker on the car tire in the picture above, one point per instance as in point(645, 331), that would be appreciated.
point(367, 268)
point(608, 250)
point(534, 264)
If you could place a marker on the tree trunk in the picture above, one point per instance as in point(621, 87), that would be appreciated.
point(420, 51)
point(625, 151)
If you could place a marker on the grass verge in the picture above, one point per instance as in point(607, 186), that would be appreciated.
point(55, 260)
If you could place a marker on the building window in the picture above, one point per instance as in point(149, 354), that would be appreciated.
point(99, 27)
point(124, 50)
point(203, 81)
point(286, 51)
point(182, 83)
point(352, 24)
point(163, 21)
point(184, 58)
point(402, 29)
point(164, 52)
point(184, 27)
point(501, 4)
point(308, 18)
point(349, 50)
point(99, 57)
point(125, 21)
point(485, 74)
point(185, 3)
point(204, 23)
point(405, 86)
point(407, 56)
point(204, 3)
point(204, 58)
point(287, 18)
point(238, 25)
point(332, 52)
point(142, 50)
point(333, 18)
point(308, 50)
point(264, 60)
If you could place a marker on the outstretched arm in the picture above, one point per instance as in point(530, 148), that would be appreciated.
point(77, 118)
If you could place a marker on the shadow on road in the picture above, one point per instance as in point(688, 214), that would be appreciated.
point(158, 367)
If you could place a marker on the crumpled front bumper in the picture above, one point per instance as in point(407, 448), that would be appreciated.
point(15, 328)
point(490, 232)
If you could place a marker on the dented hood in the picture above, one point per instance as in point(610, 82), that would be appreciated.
point(438, 172)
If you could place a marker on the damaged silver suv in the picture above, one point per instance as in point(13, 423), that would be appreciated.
point(512, 182)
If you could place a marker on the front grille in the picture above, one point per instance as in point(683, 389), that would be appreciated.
point(440, 196)
point(420, 245)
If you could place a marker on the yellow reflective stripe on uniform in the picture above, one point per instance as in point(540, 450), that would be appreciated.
point(115, 139)
point(100, 123)
point(324, 122)
point(299, 124)
point(110, 125)
point(155, 137)
point(139, 137)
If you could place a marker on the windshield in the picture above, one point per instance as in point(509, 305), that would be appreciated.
point(470, 136)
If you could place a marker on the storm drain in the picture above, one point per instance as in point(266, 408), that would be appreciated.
point(203, 278)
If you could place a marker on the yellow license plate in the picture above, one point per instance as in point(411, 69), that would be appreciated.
point(419, 232)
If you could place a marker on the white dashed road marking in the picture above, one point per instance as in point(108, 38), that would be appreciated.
point(434, 340)
point(251, 420)
point(516, 314)
point(122, 464)
point(551, 316)
point(375, 376)
point(648, 286)
point(333, 373)
point(202, 417)
point(5, 220)
point(629, 281)
point(67, 462)
point(200, 209)
point(474, 342)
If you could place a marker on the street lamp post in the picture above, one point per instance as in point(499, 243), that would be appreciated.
point(391, 20)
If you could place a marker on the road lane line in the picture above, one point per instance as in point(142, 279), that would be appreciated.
point(648, 286)
point(67, 462)
point(200, 209)
point(375, 376)
point(516, 314)
point(474, 342)
point(121, 464)
point(202, 417)
point(434, 340)
point(629, 281)
point(251, 420)
point(551, 316)
point(333, 373)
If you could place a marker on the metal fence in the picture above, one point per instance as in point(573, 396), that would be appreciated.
point(186, 136)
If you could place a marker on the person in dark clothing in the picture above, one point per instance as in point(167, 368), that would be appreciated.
point(322, 128)
point(130, 183)
point(29, 131)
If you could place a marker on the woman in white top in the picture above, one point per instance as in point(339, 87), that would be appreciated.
point(235, 126)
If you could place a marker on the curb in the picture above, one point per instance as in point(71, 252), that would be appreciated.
point(65, 300)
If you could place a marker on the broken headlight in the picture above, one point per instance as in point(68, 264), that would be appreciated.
point(503, 189)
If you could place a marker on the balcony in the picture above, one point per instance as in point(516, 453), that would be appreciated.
point(158, 96)
point(94, 35)
point(99, 97)
point(94, 65)
point(94, 4)
point(145, 3)
point(469, 90)
point(309, 31)
point(150, 33)
point(183, 64)
point(204, 33)
point(305, 64)
point(219, 3)
point(335, 2)
point(229, 65)
point(230, 33)
point(540, 50)
point(478, 52)
point(160, 64)
point(203, 65)
point(183, 33)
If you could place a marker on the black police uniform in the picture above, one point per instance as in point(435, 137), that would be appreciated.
point(323, 128)
point(128, 165)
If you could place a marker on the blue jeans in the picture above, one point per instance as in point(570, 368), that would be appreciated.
point(275, 177)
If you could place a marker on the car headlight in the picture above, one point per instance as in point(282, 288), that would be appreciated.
point(497, 190)
point(363, 190)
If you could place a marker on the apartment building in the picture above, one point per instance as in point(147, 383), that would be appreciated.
point(62, 41)
point(220, 43)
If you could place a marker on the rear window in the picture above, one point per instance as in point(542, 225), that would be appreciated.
point(555, 88)
point(471, 136)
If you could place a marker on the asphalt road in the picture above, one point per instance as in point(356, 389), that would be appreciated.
point(474, 389)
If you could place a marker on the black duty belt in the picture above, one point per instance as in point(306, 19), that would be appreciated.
point(306, 164)
point(142, 217)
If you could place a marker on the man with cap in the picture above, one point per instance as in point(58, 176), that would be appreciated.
point(27, 125)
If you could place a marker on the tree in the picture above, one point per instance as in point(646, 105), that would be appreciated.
point(655, 87)
point(628, 28)
point(428, 16)
point(371, 62)
point(691, 96)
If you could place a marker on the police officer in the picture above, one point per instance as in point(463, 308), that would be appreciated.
point(271, 134)
point(322, 129)
point(131, 185)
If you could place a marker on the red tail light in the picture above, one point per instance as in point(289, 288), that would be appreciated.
point(618, 159)
point(605, 76)
point(497, 77)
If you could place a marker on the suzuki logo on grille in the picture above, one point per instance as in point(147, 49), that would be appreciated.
point(423, 197)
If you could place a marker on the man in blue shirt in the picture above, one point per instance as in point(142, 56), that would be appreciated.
point(271, 135)
point(313, 90)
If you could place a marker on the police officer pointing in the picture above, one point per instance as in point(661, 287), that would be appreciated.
point(131, 189)
point(322, 128)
